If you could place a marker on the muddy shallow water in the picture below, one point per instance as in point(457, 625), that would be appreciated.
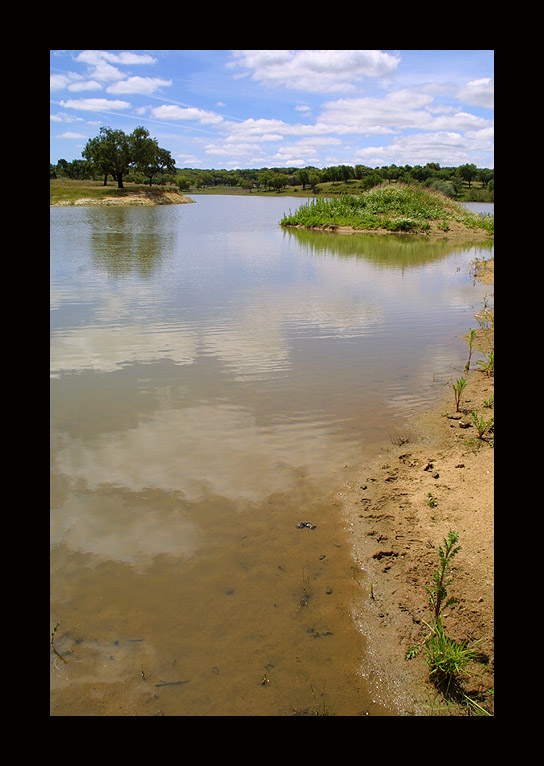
point(213, 380)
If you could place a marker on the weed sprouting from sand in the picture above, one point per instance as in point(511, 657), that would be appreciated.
point(471, 337)
point(458, 388)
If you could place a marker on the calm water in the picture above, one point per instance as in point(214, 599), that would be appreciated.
point(214, 380)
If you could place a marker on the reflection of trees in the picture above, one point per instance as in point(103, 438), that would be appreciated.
point(127, 239)
point(393, 250)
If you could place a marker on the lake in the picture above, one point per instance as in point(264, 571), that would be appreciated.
point(215, 380)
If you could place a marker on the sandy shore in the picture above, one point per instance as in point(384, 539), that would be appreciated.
point(398, 510)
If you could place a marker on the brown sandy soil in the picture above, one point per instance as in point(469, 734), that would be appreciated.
point(396, 534)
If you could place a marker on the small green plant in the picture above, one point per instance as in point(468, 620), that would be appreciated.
point(471, 336)
point(432, 502)
point(489, 402)
point(481, 425)
point(489, 365)
point(447, 658)
point(439, 590)
point(412, 652)
point(458, 388)
point(54, 632)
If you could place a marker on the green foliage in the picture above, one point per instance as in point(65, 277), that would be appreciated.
point(471, 337)
point(446, 658)
point(439, 590)
point(458, 388)
point(489, 365)
point(432, 502)
point(114, 153)
point(481, 425)
point(311, 180)
point(398, 207)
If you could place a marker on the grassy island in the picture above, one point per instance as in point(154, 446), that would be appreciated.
point(67, 192)
point(386, 209)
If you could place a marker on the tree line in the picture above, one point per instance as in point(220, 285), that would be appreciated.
point(138, 158)
point(449, 180)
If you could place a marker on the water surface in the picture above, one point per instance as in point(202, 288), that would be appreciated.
point(214, 379)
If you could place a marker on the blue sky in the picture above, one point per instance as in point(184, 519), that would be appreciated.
point(280, 108)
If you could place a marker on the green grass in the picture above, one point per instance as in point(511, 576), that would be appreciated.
point(68, 191)
point(394, 208)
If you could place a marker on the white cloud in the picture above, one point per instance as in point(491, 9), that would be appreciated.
point(173, 112)
point(396, 112)
point(94, 104)
point(142, 85)
point(125, 57)
point(478, 92)
point(58, 81)
point(82, 85)
point(448, 148)
point(316, 71)
point(71, 135)
point(60, 117)
point(400, 110)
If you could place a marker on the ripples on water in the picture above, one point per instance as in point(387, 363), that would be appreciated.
point(211, 377)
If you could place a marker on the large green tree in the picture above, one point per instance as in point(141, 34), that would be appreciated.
point(147, 156)
point(111, 152)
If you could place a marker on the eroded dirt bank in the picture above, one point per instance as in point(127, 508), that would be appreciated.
point(398, 510)
point(141, 197)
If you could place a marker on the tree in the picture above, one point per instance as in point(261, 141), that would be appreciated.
point(467, 173)
point(110, 151)
point(147, 156)
point(183, 183)
point(303, 177)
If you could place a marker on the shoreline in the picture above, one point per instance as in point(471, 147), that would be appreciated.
point(395, 533)
point(456, 233)
point(140, 197)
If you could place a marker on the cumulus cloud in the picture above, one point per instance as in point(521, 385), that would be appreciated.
point(479, 92)
point(123, 57)
point(448, 148)
point(316, 71)
point(174, 112)
point(82, 85)
point(142, 85)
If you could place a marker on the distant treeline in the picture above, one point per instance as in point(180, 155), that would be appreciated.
point(453, 181)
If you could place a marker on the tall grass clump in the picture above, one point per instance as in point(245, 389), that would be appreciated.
point(447, 658)
point(395, 208)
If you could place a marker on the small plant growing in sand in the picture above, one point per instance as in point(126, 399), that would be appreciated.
point(439, 590)
point(446, 657)
point(458, 387)
point(432, 502)
point(481, 425)
point(489, 365)
point(471, 336)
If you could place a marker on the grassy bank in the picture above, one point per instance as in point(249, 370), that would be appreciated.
point(397, 208)
point(66, 192)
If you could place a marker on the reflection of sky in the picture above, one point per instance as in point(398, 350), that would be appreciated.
point(262, 307)
point(251, 331)
point(115, 524)
point(201, 449)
